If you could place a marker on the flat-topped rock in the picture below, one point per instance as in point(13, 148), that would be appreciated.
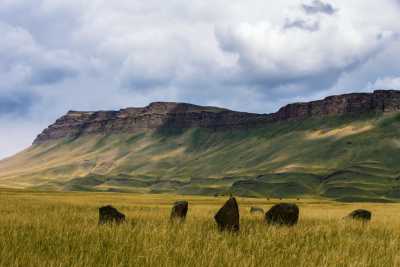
point(171, 115)
point(156, 116)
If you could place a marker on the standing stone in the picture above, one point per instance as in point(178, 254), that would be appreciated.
point(109, 214)
point(283, 214)
point(256, 209)
point(360, 214)
point(227, 217)
point(179, 210)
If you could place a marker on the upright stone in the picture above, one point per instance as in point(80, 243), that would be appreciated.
point(283, 214)
point(227, 217)
point(109, 214)
point(179, 210)
point(360, 214)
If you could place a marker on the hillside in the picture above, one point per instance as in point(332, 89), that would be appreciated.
point(343, 147)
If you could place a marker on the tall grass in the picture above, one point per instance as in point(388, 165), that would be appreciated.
point(60, 229)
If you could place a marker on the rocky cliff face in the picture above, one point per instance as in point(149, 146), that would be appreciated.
point(158, 115)
point(166, 115)
point(356, 103)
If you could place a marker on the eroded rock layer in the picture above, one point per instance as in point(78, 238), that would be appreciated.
point(168, 115)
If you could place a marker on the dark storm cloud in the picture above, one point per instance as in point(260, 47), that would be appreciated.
point(318, 7)
point(52, 75)
point(17, 104)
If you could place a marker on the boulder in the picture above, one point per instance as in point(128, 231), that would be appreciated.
point(109, 214)
point(256, 209)
point(283, 214)
point(227, 217)
point(360, 214)
point(179, 210)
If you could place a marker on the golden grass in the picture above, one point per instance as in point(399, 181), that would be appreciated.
point(170, 154)
point(339, 132)
point(291, 168)
point(60, 229)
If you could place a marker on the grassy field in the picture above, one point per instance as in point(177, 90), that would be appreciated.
point(60, 229)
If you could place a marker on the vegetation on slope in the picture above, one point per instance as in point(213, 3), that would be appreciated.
point(345, 158)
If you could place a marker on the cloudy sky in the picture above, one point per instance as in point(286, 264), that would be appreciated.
point(255, 55)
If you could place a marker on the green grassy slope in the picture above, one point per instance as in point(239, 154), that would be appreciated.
point(344, 158)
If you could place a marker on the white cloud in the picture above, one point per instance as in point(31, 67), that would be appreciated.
point(275, 56)
point(385, 83)
point(25, 62)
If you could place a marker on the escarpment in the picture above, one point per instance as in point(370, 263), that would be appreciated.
point(169, 115)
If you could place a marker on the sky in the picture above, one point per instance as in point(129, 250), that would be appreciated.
point(254, 55)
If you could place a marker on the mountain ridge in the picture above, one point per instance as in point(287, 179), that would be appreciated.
point(344, 147)
point(158, 115)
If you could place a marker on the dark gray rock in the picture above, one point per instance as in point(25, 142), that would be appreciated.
point(256, 209)
point(227, 217)
point(179, 210)
point(283, 214)
point(109, 214)
point(360, 214)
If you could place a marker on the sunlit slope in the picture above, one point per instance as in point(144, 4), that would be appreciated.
point(348, 158)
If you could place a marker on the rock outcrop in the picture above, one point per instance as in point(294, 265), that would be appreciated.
point(227, 217)
point(356, 103)
point(283, 214)
point(109, 214)
point(360, 214)
point(179, 210)
point(167, 115)
point(159, 115)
